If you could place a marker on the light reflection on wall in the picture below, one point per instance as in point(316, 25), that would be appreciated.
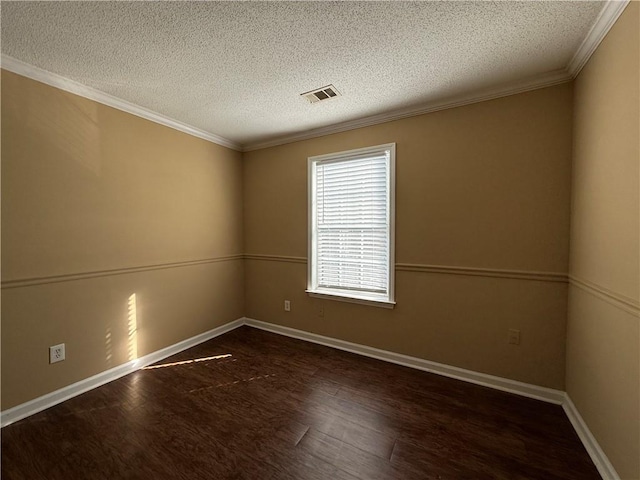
point(132, 324)
point(107, 346)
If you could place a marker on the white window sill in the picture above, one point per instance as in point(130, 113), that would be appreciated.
point(363, 300)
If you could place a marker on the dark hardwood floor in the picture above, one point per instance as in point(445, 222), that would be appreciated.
point(271, 407)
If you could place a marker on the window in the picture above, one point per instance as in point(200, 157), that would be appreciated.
point(351, 225)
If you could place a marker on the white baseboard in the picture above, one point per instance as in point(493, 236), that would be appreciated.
point(506, 385)
point(49, 400)
point(606, 470)
point(558, 397)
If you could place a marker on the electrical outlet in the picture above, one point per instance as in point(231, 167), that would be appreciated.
point(287, 306)
point(514, 336)
point(56, 353)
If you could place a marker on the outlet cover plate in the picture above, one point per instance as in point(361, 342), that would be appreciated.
point(514, 336)
point(56, 353)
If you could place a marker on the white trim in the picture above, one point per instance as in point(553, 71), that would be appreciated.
point(599, 458)
point(607, 17)
point(549, 395)
point(540, 81)
point(385, 299)
point(504, 384)
point(558, 397)
point(53, 79)
point(49, 400)
point(330, 295)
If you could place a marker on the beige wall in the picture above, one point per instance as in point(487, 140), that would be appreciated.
point(481, 186)
point(89, 189)
point(603, 343)
point(137, 210)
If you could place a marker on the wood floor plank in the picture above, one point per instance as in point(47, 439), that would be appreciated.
point(255, 405)
point(349, 432)
point(344, 456)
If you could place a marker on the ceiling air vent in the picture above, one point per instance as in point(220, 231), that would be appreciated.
point(324, 93)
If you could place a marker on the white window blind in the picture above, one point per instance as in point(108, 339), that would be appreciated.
point(351, 224)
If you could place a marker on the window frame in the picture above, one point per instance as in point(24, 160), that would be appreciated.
point(387, 301)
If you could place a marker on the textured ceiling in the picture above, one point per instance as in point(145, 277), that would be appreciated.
point(236, 69)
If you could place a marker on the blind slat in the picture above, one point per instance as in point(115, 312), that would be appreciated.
point(352, 224)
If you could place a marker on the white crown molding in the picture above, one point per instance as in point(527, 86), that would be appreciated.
point(49, 400)
point(599, 458)
point(58, 81)
point(30, 71)
point(504, 384)
point(53, 79)
point(606, 19)
point(537, 82)
point(608, 16)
